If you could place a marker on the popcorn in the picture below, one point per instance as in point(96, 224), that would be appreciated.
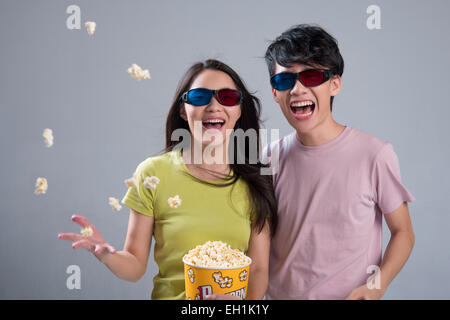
point(243, 275)
point(151, 182)
point(41, 186)
point(114, 203)
point(87, 232)
point(48, 137)
point(217, 254)
point(224, 282)
point(174, 202)
point(191, 275)
point(90, 26)
point(133, 182)
point(138, 73)
point(130, 183)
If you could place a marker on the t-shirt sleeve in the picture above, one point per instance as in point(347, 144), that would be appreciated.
point(389, 192)
point(140, 198)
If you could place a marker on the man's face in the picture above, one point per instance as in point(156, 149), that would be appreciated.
point(307, 109)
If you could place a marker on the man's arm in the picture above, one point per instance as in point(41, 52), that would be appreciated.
point(397, 253)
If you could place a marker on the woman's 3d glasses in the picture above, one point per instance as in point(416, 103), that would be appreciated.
point(201, 96)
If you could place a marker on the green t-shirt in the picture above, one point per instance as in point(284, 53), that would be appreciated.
point(187, 213)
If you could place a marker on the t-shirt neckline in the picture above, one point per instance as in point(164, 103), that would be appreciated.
point(324, 146)
point(180, 159)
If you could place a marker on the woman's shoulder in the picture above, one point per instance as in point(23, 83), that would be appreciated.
point(159, 163)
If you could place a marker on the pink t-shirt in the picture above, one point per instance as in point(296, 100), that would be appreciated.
point(330, 204)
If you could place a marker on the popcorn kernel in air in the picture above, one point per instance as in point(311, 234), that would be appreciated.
point(137, 72)
point(114, 203)
point(41, 186)
point(48, 137)
point(90, 26)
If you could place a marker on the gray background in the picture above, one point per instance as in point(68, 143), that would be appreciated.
point(395, 86)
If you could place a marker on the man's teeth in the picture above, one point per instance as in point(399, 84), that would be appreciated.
point(304, 114)
point(302, 104)
point(303, 108)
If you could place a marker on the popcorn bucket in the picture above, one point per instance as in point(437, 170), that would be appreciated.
point(202, 281)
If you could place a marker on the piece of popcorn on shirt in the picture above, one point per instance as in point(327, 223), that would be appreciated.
point(90, 26)
point(114, 203)
point(151, 182)
point(130, 183)
point(48, 137)
point(174, 202)
point(133, 182)
point(137, 72)
point(87, 232)
point(41, 186)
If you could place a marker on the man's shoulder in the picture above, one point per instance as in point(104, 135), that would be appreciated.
point(367, 142)
point(277, 145)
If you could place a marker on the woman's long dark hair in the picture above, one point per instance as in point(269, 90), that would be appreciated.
point(263, 202)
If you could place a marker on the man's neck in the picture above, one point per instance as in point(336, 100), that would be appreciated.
point(321, 135)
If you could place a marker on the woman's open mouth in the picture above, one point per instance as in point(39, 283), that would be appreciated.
point(213, 124)
point(303, 110)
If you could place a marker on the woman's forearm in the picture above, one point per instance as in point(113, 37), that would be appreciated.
point(124, 265)
point(257, 284)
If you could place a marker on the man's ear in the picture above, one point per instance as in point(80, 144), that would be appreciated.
point(335, 85)
point(183, 113)
point(275, 95)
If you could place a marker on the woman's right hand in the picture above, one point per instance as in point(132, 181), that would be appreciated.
point(94, 243)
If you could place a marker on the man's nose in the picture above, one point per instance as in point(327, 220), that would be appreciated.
point(298, 88)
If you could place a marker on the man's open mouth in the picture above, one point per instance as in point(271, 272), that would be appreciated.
point(213, 124)
point(303, 109)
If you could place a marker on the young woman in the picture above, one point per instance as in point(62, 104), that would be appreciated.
point(186, 197)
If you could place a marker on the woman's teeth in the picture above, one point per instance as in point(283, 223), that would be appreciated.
point(213, 124)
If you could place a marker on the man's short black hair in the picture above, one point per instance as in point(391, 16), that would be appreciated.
point(306, 44)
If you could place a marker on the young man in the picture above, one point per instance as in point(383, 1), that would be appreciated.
point(333, 184)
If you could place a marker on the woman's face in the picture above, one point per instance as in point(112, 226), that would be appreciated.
point(213, 119)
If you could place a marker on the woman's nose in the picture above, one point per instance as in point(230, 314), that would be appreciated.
point(214, 105)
